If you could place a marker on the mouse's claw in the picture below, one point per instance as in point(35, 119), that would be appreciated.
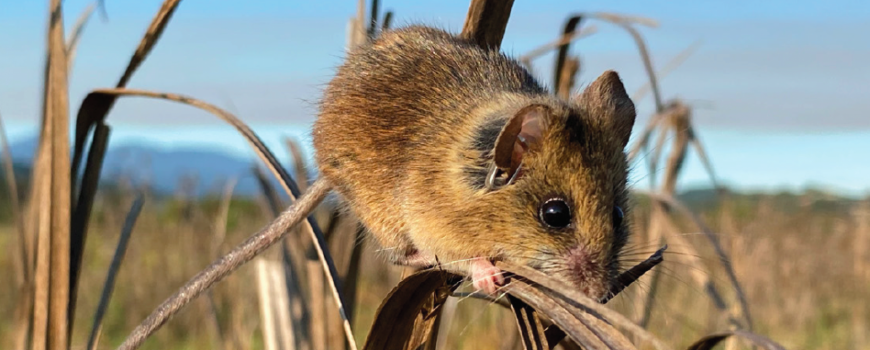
point(485, 276)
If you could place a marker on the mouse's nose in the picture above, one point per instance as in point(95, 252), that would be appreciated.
point(586, 271)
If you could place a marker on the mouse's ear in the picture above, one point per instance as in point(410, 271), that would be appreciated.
point(522, 134)
point(607, 100)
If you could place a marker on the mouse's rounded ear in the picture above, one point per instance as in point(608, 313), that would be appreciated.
point(607, 100)
point(522, 134)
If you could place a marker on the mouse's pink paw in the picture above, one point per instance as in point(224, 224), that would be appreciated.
point(485, 276)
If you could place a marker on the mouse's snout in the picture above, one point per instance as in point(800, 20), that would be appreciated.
point(586, 270)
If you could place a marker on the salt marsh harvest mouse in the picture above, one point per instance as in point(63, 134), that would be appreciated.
point(449, 153)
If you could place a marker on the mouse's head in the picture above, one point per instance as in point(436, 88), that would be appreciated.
point(557, 187)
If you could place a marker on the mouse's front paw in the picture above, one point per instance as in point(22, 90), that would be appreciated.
point(485, 276)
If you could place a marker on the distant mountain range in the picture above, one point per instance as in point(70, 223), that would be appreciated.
point(164, 169)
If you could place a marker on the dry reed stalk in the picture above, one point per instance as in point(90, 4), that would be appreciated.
point(57, 111)
point(388, 20)
point(82, 208)
point(24, 254)
point(95, 101)
point(486, 21)
point(531, 330)
point(114, 267)
point(570, 27)
point(282, 307)
point(317, 307)
point(267, 317)
point(292, 259)
point(568, 73)
point(563, 41)
point(84, 123)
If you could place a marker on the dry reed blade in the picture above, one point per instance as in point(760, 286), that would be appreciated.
point(72, 42)
point(486, 21)
point(152, 34)
point(569, 28)
point(23, 273)
point(264, 293)
point(647, 62)
point(24, 258)
point(211, 275)
point(564, 40)
point(631, 275)
point(568, 73)
point(220, 268)
point(531, 330)
point(57, 112)
point(388, 20)
point(373, 20)
point(710, 341)
point(114, 267)
point(674, 63)
point(411, 302)
point(82, 208)
point(627, 19)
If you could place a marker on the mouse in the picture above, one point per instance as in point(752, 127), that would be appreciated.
point(450, 153)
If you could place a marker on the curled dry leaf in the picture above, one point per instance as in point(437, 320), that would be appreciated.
point(403, 321)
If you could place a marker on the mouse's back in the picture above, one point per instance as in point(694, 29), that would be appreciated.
point(389, 102)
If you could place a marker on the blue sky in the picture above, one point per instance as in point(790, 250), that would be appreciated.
point(782, 87)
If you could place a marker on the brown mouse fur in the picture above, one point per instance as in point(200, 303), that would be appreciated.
point(411, 125)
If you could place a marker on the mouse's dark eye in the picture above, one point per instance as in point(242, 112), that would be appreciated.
point(555, 213)
point(618, 215)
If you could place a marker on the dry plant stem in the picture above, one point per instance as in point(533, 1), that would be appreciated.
point(529, 325)
point(58, 110)
point(562, 41)
point(23, 273)
point(220, 268)
point(152, 34)
point(388, 20)
point(373, 19)
point(82, 209)
point(267, 316)
point(266, 155)
point(486, 21)
point(114, 267)
point(617, 18)
point(628, 277)
point(569, 28)
point(647, 64)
